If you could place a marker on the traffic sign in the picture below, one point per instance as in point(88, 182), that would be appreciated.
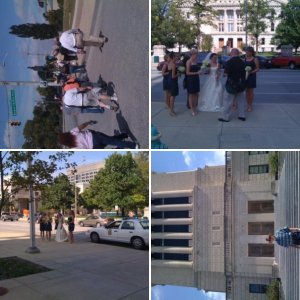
point(13, 102)
point(43, 84)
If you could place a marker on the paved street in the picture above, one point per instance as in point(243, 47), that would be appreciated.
point(124, 61)
point(274, 123)
point(82, 270)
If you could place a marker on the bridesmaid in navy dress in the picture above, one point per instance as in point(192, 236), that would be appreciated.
point(193, 81)
point(165, 74)
point(172, 83)
point(253, 63)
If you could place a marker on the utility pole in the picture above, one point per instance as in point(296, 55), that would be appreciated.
point(246, 21)
point(32, 248)
point(43, 84)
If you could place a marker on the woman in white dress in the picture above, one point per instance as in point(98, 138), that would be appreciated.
point(61, 233)
point(211, 93)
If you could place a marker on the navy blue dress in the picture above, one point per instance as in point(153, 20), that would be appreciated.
point(173, 84)
point(165, 82)
point(193, 81)
point(251, 80)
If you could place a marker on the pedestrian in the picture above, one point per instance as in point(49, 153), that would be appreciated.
point(234, 87)
point(165, 74)
point(41, 221)
point(286, 237)
point(251, 62)
point(61, 233)
point(172, 83)
point(193, 81)
point(71, 226)
point(88, 96)
point(73, 41)
point(90, 139)
point(48, 226)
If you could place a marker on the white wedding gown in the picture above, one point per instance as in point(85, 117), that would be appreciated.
point(61, 233)
point(211, 93)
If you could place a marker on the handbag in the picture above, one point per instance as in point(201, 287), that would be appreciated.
point(235, 86)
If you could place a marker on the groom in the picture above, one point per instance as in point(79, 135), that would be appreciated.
point(234, 87)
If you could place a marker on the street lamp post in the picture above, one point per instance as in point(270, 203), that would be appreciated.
point(73, 172)
point(32, 248)
point(246, 21)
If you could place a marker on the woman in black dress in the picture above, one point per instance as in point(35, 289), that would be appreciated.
point(193, 81)
point(71, 226)
point(252, 62)
point(48, 226)
point(165, 74)
point(172, 83)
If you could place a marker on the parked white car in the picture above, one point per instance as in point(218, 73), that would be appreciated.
point(130, 231)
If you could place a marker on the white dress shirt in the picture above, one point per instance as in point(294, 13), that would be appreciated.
point(72, 98)
point(68, 41)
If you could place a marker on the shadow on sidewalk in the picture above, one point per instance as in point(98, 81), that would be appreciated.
point(123, 126)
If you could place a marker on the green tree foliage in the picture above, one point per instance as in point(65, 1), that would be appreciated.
point(274, 163)
point(41, 31)
point(118, 183)
point(259, 14)
point(59, 194)
point(273, 290)
point(42, 131)
point(207, 42)
point(14, 163)
point(203, 14)
point(55, 17)
point(170, 27)
point(288, 30)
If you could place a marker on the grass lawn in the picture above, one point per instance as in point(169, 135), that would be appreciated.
point(12, 267)
point(69, 7)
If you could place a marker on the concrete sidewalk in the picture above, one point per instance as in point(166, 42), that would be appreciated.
point(269, 126)
point(79, 271)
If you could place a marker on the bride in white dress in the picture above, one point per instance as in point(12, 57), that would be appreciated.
point(61, 233)
point(211, 93)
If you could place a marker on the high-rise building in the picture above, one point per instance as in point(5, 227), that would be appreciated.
point(209, 227)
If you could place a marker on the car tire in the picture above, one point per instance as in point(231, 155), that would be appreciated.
point(137, 243)
point(98, 225)
point(81, 224)
point(292, 65)
point(95, 237)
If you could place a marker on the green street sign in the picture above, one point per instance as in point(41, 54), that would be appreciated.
point(13, 103)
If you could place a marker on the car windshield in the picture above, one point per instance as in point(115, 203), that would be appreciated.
point(145, 224)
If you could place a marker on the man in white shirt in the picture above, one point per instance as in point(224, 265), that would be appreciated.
point(73, 41)
point(87, 96)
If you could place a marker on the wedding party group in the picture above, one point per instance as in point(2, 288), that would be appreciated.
point(45, 220)
point(213, 95)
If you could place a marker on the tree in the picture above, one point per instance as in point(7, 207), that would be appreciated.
point(41, 31)
point(116, 184)
point(258, 13)
point(55, 17)
point(171, 27)
point(207, 42)
point(288, 30)
point(21, 176)
point(59, 194)
point(203, 13)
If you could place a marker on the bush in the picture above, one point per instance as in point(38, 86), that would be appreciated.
point(273, 290)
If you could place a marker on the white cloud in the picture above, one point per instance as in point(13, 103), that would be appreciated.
point(215, 296)
point(188, 158)
point(25, 11)
point(217, 159)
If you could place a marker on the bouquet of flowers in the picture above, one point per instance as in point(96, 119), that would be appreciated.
point(248, 69)
point(205, 66)
point(181, 69)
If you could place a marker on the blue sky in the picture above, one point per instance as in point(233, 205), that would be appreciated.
point(14, 12)
point(168, 292)
point(174, 161)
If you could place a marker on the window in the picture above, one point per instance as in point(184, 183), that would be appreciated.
point(230, 15)
point(157, 215)
point(238, 14)
point(260, 228)
point(114, 225)
point(145, 224)
point(157, 255)
point(157, 228)
point(216, 243)
point(257, 152)
point(259, 169)
point(221, 27)
point(230, 27)
point(188, 15)
point(216, 212)
point(221, 15)
point(272, 26)
point(176, 256)
point(156, 242)
point(178, 200)
point(176, 243)
point(260, 207)
point(261, 250)
point(263, 41)
point(127, 225)
point(257, 288)
point(157, 201)
point(176, 214)
point(240, 27)
point(176, 228)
